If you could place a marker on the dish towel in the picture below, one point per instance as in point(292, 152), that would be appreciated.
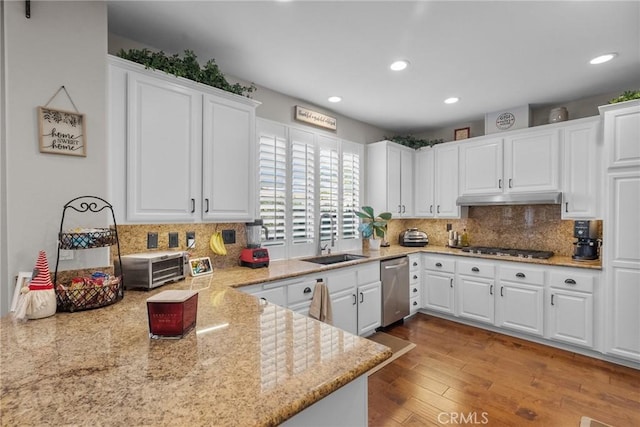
point(320, 308)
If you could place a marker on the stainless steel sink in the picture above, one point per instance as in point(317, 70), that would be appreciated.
point(333, 259)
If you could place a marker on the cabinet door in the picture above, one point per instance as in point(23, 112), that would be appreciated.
point(623, 316)
point(394, 180)
point(446, 181)
point(622, 133)
point(437, 292)
point(581, 171)
point(571, 317)
point(424, 205)
point(531, 161)
point(228, 167)
point(369, 308)
point(481, 167)
point(475, 299)
point(345, 310)
point(520, 307)
point(164, 136)
point(406, 182)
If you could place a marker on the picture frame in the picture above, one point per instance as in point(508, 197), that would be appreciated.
point(22, 279)
point(462, 133)
point(61, 132)
point(200, 266)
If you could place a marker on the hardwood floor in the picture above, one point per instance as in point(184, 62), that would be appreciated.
point(460, 375)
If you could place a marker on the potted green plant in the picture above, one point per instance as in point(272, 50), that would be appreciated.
point(373, 226)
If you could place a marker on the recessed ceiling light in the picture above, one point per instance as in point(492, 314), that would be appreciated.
point(603, 58)
point(399, 65)
point(451, 100)
point(335, 99)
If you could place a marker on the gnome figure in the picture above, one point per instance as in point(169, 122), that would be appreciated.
point(38, 299)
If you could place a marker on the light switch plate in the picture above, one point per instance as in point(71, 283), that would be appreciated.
point(173, 240)
point(152, 240)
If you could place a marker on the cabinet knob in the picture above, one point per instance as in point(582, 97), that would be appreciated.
point(475, 269)
point(570, 281)
point(415, 290)
point(415, 303)
point(307, 290)
point(415, 277)
point(415, 263)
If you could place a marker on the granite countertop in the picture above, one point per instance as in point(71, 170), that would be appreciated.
point(247, 363)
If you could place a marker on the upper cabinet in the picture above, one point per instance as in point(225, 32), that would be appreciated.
point(436, 182)
point(179, 151)
point(581, 169)
point(390, 178)
point(622, 134)
point(523, 161)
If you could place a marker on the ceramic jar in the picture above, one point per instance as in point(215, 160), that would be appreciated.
point(559, 114)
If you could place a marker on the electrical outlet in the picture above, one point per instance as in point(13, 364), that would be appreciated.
point(152, 240)
point(191, 239)
point(448, 227)
point(173, 240)
point(229, 237)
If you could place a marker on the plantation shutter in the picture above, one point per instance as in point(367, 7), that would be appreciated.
point(273, 182)
point(302, 186)
point(351, 156)
point(328, 185)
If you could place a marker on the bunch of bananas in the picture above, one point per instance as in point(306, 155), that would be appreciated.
point(217, 244)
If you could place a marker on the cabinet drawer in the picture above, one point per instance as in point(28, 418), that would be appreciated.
point(571, 280)
point(414, 263)
point(368, 273)
point(478, 269)
point(414, 291)
point(414, 277)
point(522, 275)
point(339, 281)
point(414, 305)
point(439, 264)
point(299, 292)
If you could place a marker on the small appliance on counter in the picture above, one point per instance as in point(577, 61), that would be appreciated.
point(149, 270)
point(255, 256)
point(413, 238)
point(587, 246)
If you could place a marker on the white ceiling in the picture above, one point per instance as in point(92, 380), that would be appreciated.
point(493, 55)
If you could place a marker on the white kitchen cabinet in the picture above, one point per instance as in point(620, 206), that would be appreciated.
point(622, 134)
point(415, 275)
point(390, 178)
point(369, 307)
point(188, 148)
point(275, 294)
point(520, 298)
point(227, 160)
point(581, 170)
point(519, 162)
point(163, 150)
point(570, 305)
point(436, 182)
point(476, 284)
point(621, 234)
point(438, 292)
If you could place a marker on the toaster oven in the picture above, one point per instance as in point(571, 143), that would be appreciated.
point(149, 270)
point(413, 237)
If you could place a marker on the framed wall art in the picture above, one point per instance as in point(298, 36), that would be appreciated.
point(462, 133)
point(62, 132)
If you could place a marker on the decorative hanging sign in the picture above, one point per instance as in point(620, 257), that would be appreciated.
point(61, 132)
point(312, 117)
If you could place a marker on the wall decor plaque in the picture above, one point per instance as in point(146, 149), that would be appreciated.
point(313, 117)
point(462, 133)
point(61, 132)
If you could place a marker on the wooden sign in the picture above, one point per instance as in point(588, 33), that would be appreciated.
point(318, 119)
point(61, 132)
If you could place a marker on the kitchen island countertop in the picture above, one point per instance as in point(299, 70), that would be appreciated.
point(247, 363)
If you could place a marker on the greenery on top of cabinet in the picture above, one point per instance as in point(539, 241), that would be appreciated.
point(627, 95)
point(413, 142)
point(187, 67)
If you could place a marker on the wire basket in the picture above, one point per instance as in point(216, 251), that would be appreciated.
point(87, 239)
point(84, 293)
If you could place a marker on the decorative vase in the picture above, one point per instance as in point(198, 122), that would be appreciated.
point(559, 114)
point(374, 244)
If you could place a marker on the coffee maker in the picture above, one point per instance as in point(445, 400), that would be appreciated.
point(587, 246)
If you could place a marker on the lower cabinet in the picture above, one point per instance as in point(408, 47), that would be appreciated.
point(415, 275)
point(438, 276)
point(520, 298)
point(476, 282)
point(369, 307)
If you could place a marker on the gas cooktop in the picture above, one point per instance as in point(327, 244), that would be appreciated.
point(520, 253)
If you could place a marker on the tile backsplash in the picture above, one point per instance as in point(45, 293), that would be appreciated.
point(537, 227)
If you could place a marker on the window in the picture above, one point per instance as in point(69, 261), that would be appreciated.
point(307, 182)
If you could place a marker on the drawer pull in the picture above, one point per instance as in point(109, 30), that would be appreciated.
point(501, 288)
point(415, 264)
point(491, 290)
point(430, 208)
point(415, 303)
point(570, 281)
point(451, 282)
point(355, 299)
point(520, 275)
point(207, 203)
point(193, 205)
point(307, 290)
point(438, 264)
point(552, 300)
point(361, 297)
point(475, 269)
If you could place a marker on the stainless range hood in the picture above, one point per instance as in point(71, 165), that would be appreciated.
point(546, 198)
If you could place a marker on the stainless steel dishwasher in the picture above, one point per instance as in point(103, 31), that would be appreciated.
point(394, 274)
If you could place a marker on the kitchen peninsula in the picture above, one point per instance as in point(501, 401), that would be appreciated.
point(247, 363)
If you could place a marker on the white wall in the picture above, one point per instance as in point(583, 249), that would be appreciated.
point(63, 43)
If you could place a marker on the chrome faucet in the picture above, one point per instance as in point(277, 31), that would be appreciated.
point(333, 237)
